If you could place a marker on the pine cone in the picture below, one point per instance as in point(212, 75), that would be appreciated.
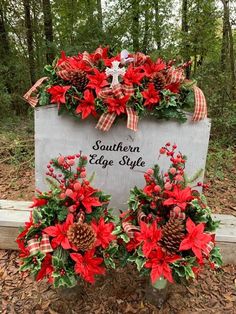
point(159, 80)
point(79, 79)
point(172, 235)
point(81, 235)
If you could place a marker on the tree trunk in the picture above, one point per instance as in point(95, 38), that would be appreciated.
point(157, 25)
point(185, 29)
point(146, 28)
point(29, 37)
point(4, 47)
point(227, 51)
point(100, 21)
point(48, 31)
point(135, 24)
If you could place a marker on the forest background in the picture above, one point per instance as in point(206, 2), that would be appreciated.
point(33, 32)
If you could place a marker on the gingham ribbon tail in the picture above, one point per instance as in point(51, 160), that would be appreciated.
point(200, 110)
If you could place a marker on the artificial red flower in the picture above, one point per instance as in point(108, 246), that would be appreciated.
point(149, 235)
point(108, 61)
point(173, 87)
point(59, 233)
point(24, 252)
point(38, 202)
point(178, 197)
point(46, 268)
point(103, 232)
point(149, 189)
point(151, 67)
point(132, 245)
point(87, 265)
point(151, 95)
point(58, 94)
point(87, 105)
point(97, 81)
point(85, 196)
point(195, 240)
point(26, 229)
point(159, 263)
point(117, 105)
point(133, 76)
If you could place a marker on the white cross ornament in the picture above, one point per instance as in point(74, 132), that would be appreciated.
point(115, 72)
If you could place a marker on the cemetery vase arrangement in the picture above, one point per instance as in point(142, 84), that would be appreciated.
point(168, 231)
point(129, 85)
point(70, 233)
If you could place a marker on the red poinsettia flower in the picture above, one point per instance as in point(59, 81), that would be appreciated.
point(178, 197)
point(87, 105)
point(151, 67)
point(97, 81)
point(151, 95)
point(133, 76)
point(38, 202)
point(58, 94)
point(46, 268)
point(103, 232)
point(173, 87)
point(132, 245)
point(28, 225)
point(149, 235)
point(59, 233)
point(159, 263)
point(24, 252)
point(85, 196)
point(108, 61)
point(117, 105)
point(195, 240)
point(87, 265)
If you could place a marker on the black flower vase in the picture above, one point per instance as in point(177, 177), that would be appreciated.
point(157, 293)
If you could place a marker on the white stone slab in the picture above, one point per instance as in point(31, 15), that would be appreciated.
point(66, 135)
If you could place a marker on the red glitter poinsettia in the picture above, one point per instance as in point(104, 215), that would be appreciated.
point(88, 265)
point(46, 269)
point(59, 233)
point(37, 202)
point(151, 96)
point(159, 262)
point(97, 80)
point(133, 76)
point(58, 94)
point(153, 67)
point(149, 235)
point(103, 232)
point(178, 197)
point(87, 105)
point(195, 240)
point(117, 105)
point(84, 195)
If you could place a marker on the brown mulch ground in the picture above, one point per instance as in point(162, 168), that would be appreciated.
point(122, 291)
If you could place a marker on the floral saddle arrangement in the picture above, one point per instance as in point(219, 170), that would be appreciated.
point(127, 85)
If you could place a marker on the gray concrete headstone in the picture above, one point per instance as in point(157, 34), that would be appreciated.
point(118, 170)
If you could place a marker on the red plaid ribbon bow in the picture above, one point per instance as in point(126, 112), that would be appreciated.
point(200, 110)
point(44, 246)
point(129, 229)
point(106, 120)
